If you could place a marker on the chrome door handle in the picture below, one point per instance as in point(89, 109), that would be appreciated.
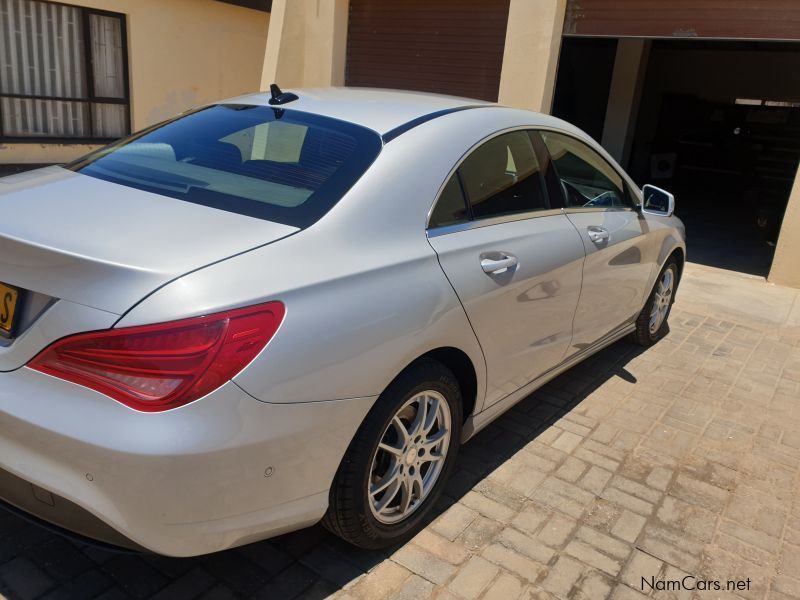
point(597, 234)
point(495, 266)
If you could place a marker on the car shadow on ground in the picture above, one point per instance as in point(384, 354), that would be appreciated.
point(311, 563)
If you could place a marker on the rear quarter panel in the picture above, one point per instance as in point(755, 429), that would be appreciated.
point(354, 319)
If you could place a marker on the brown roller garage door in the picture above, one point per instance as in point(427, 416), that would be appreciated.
point(721, 19)
point(446, 46)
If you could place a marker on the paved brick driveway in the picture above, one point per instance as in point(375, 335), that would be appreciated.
point(682, 459)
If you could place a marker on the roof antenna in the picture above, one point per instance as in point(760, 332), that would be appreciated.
point(279, 97)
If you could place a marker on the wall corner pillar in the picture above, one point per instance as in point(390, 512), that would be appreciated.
point(627, 81)
point(530, 56)
point(306, 44)
point(785, 268)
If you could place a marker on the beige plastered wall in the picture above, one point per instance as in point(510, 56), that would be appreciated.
point(530, 57)
point(307, 43)
point(785, 268)
point(181, 53)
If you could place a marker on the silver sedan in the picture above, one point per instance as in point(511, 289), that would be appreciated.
point(292, 307)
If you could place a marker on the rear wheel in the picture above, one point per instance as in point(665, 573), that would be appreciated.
point(399, 460)
point(651, 325)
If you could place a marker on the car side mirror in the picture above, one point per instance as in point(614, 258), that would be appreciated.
point(656, 201)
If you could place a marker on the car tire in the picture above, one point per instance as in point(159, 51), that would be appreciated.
point(651, 324)
point(416, 465)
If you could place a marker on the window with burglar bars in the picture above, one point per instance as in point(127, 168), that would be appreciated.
point(63, 72)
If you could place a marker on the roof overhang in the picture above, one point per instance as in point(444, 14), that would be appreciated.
point(262, 5)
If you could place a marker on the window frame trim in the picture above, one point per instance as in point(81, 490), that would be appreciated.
point(491, 221)
point(90, 99)
point(474, 223)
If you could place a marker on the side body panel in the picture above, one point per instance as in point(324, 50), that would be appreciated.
point(523, 316)
point(344, 332)
point(616, 272)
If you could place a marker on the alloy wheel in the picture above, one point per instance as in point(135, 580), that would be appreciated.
point(410, 457)
point(662, 300)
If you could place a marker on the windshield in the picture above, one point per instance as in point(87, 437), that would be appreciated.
point(275, 164)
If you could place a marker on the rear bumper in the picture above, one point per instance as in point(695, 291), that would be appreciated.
point(219, 472)
point(57, 513)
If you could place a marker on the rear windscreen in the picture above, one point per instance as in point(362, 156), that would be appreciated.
point(275, 164)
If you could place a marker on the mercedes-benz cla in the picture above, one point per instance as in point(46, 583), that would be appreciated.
point(293, 307)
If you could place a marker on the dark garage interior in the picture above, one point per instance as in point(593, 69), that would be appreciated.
point(718, 124)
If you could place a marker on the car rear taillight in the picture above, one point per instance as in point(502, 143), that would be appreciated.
point(158, 367)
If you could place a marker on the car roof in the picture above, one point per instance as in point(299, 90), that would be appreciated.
point(378, 109)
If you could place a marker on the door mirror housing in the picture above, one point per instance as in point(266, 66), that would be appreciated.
point(656, 201)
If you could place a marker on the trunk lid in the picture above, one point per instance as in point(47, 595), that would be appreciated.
point(106, 246)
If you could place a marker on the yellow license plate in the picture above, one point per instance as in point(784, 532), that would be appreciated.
point(9, 297)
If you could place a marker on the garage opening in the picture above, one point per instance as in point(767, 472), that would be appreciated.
point(715, 122)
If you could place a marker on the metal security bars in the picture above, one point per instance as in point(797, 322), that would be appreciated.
point(63, 73)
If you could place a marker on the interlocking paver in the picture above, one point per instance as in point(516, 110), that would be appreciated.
point(24, 578)
point(628, 526)
point(563, 575)
point(641, 566)
point(473, 577)
point(454, 521)
point(452, 552)
point(595, 480)
point(480, 533)
point(623, 592)
point(628, 501)
point(594, 585)
point(530, 518)
point(507, 587)
point(419, 561)
point(591, 556)
point(525, 544)
point(557, 530)
point(604, 543)
point(414, 588)
point(386, 579)
point(671, 546)
point(488, 507)
point(681, 459)
point(696, 522)
point(699, 493)
point(514, 562)
point(571, 469)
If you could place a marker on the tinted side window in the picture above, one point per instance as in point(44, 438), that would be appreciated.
point(586, 178)
point(451, 207)
point(503, 177)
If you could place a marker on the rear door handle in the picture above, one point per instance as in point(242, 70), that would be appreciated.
point(495, 266)
point(597, 234)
